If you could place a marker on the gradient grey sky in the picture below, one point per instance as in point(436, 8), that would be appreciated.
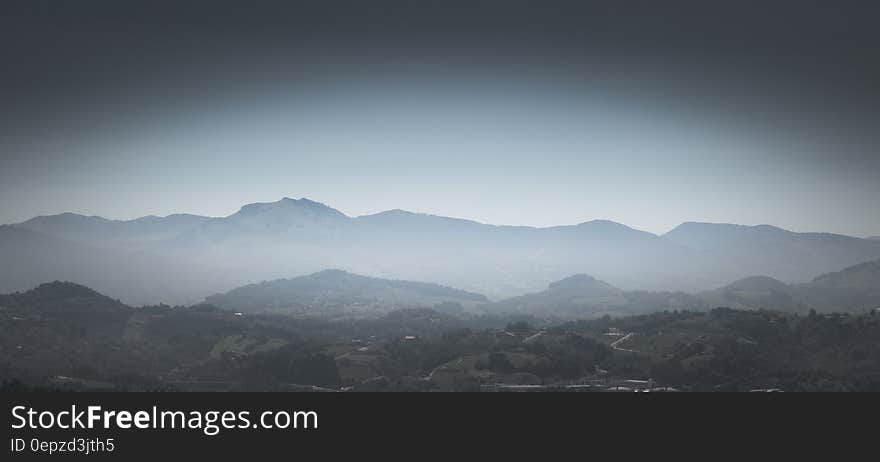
point(530, 118)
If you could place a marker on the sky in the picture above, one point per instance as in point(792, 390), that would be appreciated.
point(516, 112)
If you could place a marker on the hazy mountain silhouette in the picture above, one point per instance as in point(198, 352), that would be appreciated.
point(583, 296)
point(578, 295)
point(101, 231)
point(31, 258)
point(180, 258)
point(755, 292)
point(856, 288)
point(339, 292)
point(64, 298)
point(741, 251)
point(285, 217)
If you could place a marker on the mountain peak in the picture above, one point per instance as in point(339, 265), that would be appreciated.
point(700, 226)
point(331, 273)
point(604, 224)
point(395, 213)
point(694, 226)
point(402, 218)
point(59, 289)
point(607, 229)
point(757, 283)
point(288, 204)
point(579, 278)
point(769, 228)
point(304, 201)
point(582, 282)
point(67, 217)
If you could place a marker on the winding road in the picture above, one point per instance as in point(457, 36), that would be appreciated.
point(620, 340)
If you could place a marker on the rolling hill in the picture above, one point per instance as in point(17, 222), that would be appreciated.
point(339, 293)
point(583, 296)
point(756, 292)
point(853, 289)
point(856, 288)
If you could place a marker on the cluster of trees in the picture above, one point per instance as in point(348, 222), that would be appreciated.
point(742, 350)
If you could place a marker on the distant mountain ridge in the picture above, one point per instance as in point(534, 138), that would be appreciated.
point(856, 288)
point(181, 258)
point(773, 251)
point(98, 230)
point(583, 296)
point(131, 274)
point(853, 289)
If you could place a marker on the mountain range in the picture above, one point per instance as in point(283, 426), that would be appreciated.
point(182, 258)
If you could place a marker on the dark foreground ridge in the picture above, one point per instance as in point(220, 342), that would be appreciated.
point(69, 337)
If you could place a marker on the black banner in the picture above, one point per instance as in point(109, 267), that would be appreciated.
point(330, 425)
